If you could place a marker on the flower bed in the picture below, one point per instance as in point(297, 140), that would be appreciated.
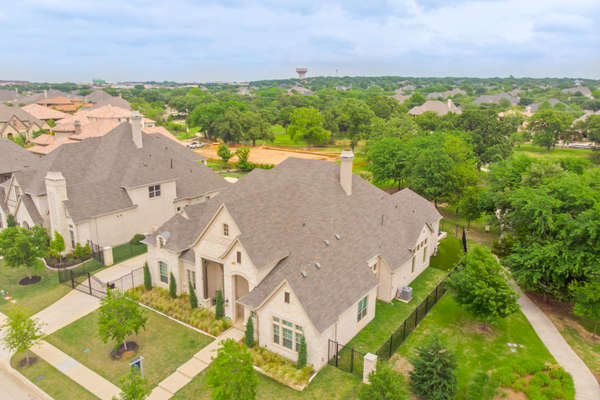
point(280, 368)
point(181, 310)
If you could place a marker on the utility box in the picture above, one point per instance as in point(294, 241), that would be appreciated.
point(404, 294)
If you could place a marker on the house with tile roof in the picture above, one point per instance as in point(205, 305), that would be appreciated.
point(305, 249)
point(495, 98)
point(44, 113)
point(16, 122)
point(106, 189)
point(67, 104)
point(446, 94)
point(436, 106)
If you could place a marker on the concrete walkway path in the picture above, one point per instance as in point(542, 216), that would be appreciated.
point(13, 384)
point(76, 304)
point(586, 386)
point(79, 373)
point(198, 363)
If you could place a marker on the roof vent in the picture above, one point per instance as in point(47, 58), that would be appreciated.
point(304, 274)
point(337, 236)
point(326, 242)
point(318, 265)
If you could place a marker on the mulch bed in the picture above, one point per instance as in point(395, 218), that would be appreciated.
point(65, 263)
point(30, 281)
point(118, 353)
point(24, 362)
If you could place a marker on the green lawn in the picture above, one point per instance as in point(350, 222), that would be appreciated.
point(476, 352)
point(449, 252)
point(32, 298)
point(164, 344)
point(533, 150)
point(330, 383)
point(126, 251)
point(389, 316)
point(453, 224)
point(51, 380)
point(233, 174)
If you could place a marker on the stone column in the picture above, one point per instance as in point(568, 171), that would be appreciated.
point(369, 365)
point(108, 255)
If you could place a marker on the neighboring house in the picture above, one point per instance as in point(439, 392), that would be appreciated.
point(62, 103)
point(106, 189)
point(533, 108)
point(400, 96)
point(13, 158)
point(100, 98)
point(584, 90)
point(44, 113)
point(16, 122)
point(306, 249)
point(436, 106)
point(300, 90)
point(446, 94)
point(495, 98)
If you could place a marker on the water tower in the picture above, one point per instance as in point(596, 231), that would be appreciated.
point(301, 72)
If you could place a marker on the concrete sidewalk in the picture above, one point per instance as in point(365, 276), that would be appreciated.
point(79, 373)
point(586, 386)
point(185, 373)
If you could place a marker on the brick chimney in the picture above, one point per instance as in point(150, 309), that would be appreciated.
point(136, 129)
point(77, 125)
point(45, 94)
point(346, 159)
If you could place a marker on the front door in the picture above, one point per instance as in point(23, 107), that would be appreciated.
point(241, 289)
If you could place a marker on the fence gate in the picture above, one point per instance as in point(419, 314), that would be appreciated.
point(97, 252)
point(82, 281)
point(345, 358)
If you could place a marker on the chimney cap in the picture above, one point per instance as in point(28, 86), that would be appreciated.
point(347, 154)
point(76, 123)
point(136, 114)
point(55, 176)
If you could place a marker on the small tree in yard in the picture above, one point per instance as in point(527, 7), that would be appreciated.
point(120, 316)
point(20, 332)
point(587, 302)
point(231, 376)
point(57, 246)
point(243, 153)
point(224, 153)
point(249, 336)
point(193, 297)
point(133, 386)
point(301, 363)
point(384, 384)
point(24, 247)
point(434, 373)
point(11, 221)
point(172, 286)
point(147, 277)
point(481, 287)
point(220, 306)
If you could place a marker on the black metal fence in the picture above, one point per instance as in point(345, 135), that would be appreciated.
point(345, 358)
point(97, 252)
point(82, 280)
point(128, 281)
point(390, 346)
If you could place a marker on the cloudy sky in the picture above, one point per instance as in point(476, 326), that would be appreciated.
point(206, 40)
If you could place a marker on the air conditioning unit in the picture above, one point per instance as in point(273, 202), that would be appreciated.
point(404, 294)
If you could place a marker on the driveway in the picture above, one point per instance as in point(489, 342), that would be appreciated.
point(77, 304)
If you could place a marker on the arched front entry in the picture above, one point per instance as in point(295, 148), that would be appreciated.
point(240, 289)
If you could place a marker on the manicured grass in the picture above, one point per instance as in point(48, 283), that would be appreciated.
point(331, 384)
point(234, 174)
point(532, 150)
point(51, 380)
point(32, 298)
point(126, 251)
point(476, 352)
point(389, 316)
point(449, 252)
point(164, 344)
point(453, 224)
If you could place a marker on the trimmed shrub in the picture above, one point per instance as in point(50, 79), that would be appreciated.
point(302, 353)
point(172, 286)
point(136, 239)
point(220, 307)
point(249, 337)
point(147, 277)
point(193, 297)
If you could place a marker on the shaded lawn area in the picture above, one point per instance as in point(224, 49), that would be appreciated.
point(32, 298)
point(330, 383)
point(126, 251)
point(164, 344)
point(475, 351)
point(535, 151)
point(51, 380)
point(389, 316)
point(453, 224)
point(449, 252)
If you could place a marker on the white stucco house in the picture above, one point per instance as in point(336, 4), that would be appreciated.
point(305, 249)
point(106, 189)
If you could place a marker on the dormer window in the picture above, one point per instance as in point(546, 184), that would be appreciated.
point(154, 191)
point(239, 257)
point(225, 230)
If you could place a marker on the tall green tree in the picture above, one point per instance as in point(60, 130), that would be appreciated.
point(490, 134)
point(302, 353)
point(21, 332)
point(249, 334)
point(224, 152)
point(307, 125)
point(24, 247)
point(119, 317)
point(228, 127)
point(193, 297)
point(220, 305)
point(231, 375)
point(587, 301)
point(57, 246)
point(147, 277)
point(134, 387)
point(388, 160)
point(358, 116)
point(434, 374)
point(255, 128)
point(172, 286)
point(547, 126)
point(480, 286)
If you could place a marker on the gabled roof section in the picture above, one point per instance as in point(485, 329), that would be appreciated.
point(14, 157)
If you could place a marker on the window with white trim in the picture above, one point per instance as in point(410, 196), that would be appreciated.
point(287, 334)
point(164, 272)
point(154, 191)
point(191, 275)
point(362, 308)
